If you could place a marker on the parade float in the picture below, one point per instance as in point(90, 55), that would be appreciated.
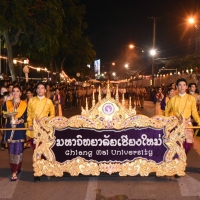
point(109, 138)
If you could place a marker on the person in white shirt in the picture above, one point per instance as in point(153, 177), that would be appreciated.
point(192, 91)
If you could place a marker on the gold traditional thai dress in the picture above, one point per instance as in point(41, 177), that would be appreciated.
point(164, 103)
point(197, 98)
point(159, 97)
point(185, 105)
point(58, 101)
point(37, 109)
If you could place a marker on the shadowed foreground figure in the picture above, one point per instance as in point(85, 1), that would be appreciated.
point(117, 197)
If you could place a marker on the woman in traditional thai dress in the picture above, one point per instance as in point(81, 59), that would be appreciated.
point(159, 97)
point(15, 138)
point(58, 101)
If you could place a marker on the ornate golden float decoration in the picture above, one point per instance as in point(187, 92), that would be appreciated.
point(121, 118)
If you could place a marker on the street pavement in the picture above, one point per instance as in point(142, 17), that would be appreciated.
point(103, 187)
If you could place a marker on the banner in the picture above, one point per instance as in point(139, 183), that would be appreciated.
point(109, 145)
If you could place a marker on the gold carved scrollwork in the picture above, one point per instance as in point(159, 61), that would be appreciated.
point(122, 118)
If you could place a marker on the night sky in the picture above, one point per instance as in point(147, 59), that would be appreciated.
point(114, 24)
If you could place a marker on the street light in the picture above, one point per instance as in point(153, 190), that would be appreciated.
point(131, 46)
point(193, 22)
point(152, 52)
point(14, 62)
point(126, 65)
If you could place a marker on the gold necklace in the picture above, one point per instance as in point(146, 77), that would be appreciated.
point(16, 105)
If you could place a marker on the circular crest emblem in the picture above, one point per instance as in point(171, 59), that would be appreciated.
point(108, 109)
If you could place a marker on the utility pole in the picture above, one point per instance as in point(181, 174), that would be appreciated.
point(196, 32)
point(153, 48)
point(0, 52)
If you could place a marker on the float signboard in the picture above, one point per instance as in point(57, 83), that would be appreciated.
point(109, 138)
point(114, 146)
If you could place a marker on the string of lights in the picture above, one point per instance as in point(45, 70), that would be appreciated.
point(26, 61)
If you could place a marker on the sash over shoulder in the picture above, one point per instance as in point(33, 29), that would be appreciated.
point(21, 109)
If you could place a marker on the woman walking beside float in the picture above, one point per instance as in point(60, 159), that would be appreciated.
point(158, 98)
point(58, 102)
point(15, 138)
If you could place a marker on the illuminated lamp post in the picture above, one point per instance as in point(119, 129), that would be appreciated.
point(126, 65)
point(131, 46)
point(192, 21)
point(153, 53)
point(114, 74)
